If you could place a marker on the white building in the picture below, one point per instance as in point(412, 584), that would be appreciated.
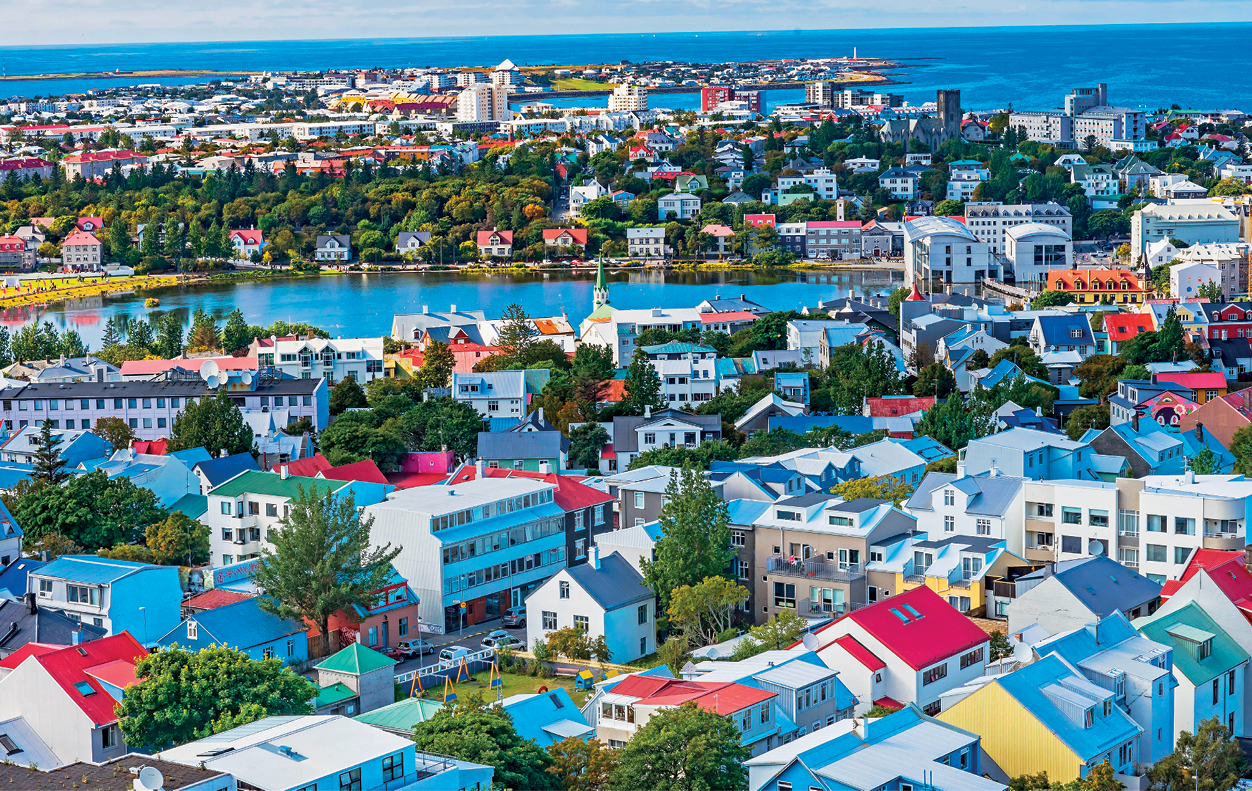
point(494, 394)
point(683, 205)
point(1033, 248)
point(688, 371)
point(628, 99)
point(941, 251)
point(1185, 279)
point(1230, 261)
point(580, 196)
point(604, 596)
point(824, 183)
point(647, 242)
point(1194, 222)
point(245, 510)
point(483, 102)
point(331, 358)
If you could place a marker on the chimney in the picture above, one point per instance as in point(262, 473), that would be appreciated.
point(425, 309)
point(1134, 421)
point(32, 604)
point(593, 558)
point(647, 410)
point(1188, 476)
point(453, 309)
point(481, 468)
point(76, 636)
point(45, 556)
point(282, 471)
point(1247, 557)
point(1199, 431)
point(1247, 398)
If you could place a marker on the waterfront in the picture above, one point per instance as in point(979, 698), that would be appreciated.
point(991, 66)
point(360, 304)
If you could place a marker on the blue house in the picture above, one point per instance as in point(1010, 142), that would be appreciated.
point(119, 595)
point(76, 446)
point(547, 717)
point(1147, 448)
point(169, 476)
point(1030, 453)
point(215, 472)
point(793, 385)
point(905, 749)
point(245, 627)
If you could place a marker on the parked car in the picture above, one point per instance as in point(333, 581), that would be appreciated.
point(453, 652)
point(392, 651)
point(502, 639)
point(514, 617)
point(414, 648)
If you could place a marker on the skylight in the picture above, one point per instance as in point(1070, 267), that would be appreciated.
point(903, 618)
point(10, 746)
point(912, 611)
point(84, 688)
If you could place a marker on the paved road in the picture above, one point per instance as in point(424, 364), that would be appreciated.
point(470, 639)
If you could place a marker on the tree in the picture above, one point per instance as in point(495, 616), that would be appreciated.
point(950, 424)
point(115, 431)
point(882, 487)
point(205, 334)
point(49, 467)
point(1084, 417)
point(1240, 448)
point(179, 540)
point(695, 536)
point(322, 562)
point(1210, 290)
point(92, 510)
point(893, 301)
point(346, 394)
point(582, 765)
point(585, 444)
point(1209, 760)
point(214, 423)
point(169, 341)
point(704, 610)
point(517, 332)
point(1205, 462)
point(570, 642)
point(934, 380)
point(441, 423)
point(978, 360)
point(1051, 299)
point(1023, 357)
point(781, 632)
point(1098, 375)
point(686, 748)
point(437, 365)
point(236, 334)
point(181, 696)
point(470, 730)
point(643, 384)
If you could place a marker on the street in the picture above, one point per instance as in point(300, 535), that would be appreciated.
point(470, 639)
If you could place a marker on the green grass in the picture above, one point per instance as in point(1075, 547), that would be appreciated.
point(578, 84)
point(513, 685)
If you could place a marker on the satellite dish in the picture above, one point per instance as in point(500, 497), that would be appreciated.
point(809, 641)
point(1095, 548)
point(150, 779)
point(1023, 653)
point(246, 378)
point(211, 381)
point(209, 368)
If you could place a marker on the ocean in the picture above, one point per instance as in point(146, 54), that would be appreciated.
point(993, 67)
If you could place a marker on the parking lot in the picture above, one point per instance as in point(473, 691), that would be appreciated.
point(470, 638)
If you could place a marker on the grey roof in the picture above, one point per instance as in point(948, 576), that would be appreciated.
point(522, 444)
point(422, 238)
point(1102, 584)
point(615, 584)
point(859, 505)
point(19, 626)
point(626, 440)
point(992, 495)
point(813, 498)
point(343, 239)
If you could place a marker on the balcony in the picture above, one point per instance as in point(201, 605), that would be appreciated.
point(814, 569)
point(1005, 590)
point(812, 608)
point(1214, 539)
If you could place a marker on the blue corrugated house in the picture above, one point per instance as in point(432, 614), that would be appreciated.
point(245, 627)
point(793, 385)
point(547, 717)
point(119, 595)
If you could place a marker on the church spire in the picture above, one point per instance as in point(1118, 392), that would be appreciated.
point(600, 296)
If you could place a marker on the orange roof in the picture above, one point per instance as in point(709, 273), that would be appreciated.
point(1093, 280)
point(578, 235)
point(1124, 326)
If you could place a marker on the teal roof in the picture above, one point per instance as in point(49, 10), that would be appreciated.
point(332, 694)
point(356, 659)
point(402, 715)
point(193, 505)
point(677, 347)
point(1184, 630)
point(271, 483)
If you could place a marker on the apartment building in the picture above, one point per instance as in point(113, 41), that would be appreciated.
point(688, 371)
point(1194, 222)
point(990, 221)
point(647, 242)
point(940, 252)
point(115, 595)
point(628, 99)
point(81, 250)
point(824, 183)
point(832, 240)
point(332, 359)
point(494, 394)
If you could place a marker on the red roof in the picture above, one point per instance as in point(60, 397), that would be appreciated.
point(118, 673)
point(154, 447)
point(138, 367)
point(309, 467)
point(889, 703)
point(730, 315)
point(570, 495)
point(578, 235)
point(484, 237)
point(81, 237)
point(1121, 327)
point(85, 664)
point(102, 156)
point(915, 295)
point(860, 653)
point(1227, 571)
point(1196, 381)
point(217, 597)
point(249, 236)
point(759, 219)
point(365, 470)
point(895, 406)
point(723, 698)
point(937, 630)
point(616, 391)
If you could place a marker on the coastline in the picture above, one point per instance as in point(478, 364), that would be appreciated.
point(113, 75)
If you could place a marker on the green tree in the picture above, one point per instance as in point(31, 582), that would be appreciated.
point(978, 360)
point(178, 540)
point(582, 765)
point(1084, 417)
point(585, 444)
point(470, 730)
point(437, 365)
point(1098, 375)
point(1240, 448)
point(934, 380)
point(1051, 299)
point(1210, 759)
point(1023, 357)
point(780, 632)
point(346, 394)
point(322, 562)
point(1211, 290)
point(643, 384)
point(1205, 462)
point(214, 423)
point(880, 487)
point(517, 333)
point(236, 334)
point(115, 431)
point(703, 611)
point(119, 240)
point(695, 536)
point(686, 748)
point(570, 642)
point(950, 424)
point(441, 423)
point(169, 341)
point(893, 301)
point(92, 510)
point(701, 457)
point(181, 696)
point(49, 467)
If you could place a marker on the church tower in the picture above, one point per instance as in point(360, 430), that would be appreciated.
point(600, 296)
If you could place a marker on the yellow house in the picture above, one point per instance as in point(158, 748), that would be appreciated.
point(962, 569)
point(1045, 717)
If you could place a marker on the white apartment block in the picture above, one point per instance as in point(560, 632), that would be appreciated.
point(483, 102)
point(646, 242)
point(821, 180)
point(989, 221)
point(1194, 222)
point(628, 99)
point(329, 358)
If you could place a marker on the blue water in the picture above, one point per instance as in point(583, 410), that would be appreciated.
point(669, 101)
point(1207, 65)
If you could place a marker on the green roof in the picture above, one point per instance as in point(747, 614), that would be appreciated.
point(677, 347)
point(332, 694)
point(193, 505)
point(1184, 630)
point(271, 483)
point(356, 659)
point(401, 716)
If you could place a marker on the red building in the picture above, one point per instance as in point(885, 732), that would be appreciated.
point(713, 95)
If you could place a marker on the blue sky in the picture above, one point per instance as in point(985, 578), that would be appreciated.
point(111, 21)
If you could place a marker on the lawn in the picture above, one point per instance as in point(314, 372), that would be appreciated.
point(513, 685)
point(578, 84)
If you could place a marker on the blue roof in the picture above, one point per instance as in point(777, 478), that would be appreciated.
point(219, 471)
point(853, 424)
point(191, 456)
point(95, 570)
point(1027, 686)
point(13, 578)
point(502, 423)
point(746, 512)
point(928, 448)
point(13, 473)
point(241, 625)
point(547, 717)
point(1056, 330)
point(193, 505)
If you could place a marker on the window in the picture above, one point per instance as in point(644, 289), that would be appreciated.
point(784, 595)
point(1183, 526)
point(108, 737)
point(393, 767)
point(930, 710)
point(1071, 544)
point(1154, 553)
point(639, 499)
point(45, 589)
point(350, 780)
point(984, 527)
point(949, 524)
point(643, 614)
point(1097, 518)
point(549, 620)
point(1071, 516)
point(934, 674)
point(1217, 686)
point(599, 515)
point(83, 594)
point(404, 627)
point(972, 658)
point(1204, 650)
point(949, 497)
point(564, 590)
point(271, 509)
point(581, 622)
point(267, 653)
point(1230, 683)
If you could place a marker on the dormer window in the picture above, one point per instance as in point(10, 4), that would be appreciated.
point(1088, 718)
point(788, 516)
point(1204, 650)
point(949, 497)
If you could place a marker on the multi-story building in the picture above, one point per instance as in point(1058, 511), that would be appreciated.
point(964, 176)
point(824, 183)
point(1194, 222)
point(333, 247)
point(115, 595)
point(81, 250)
point(900, 183)
point(990, 222)
point(832, 240)
point(1099, 286)
point(628, 99)
point(1033, 250)
point(330, 358)
point(472, 550)
point(682, 205)
point(792, 237)
point(494, 394)
point(940, 252)
point(98, 164)
point(1087, 115)
point(688, 371)
point(646, 242)
point(483, 102)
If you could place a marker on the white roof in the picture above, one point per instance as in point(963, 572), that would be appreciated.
point(1189, 210)
point(935, 226)
point(333, 344)
point(1035, 229)
point(443, 499)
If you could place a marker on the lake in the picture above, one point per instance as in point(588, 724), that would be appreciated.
point(360, 304)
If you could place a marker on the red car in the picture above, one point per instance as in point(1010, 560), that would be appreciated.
point(391, 651)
